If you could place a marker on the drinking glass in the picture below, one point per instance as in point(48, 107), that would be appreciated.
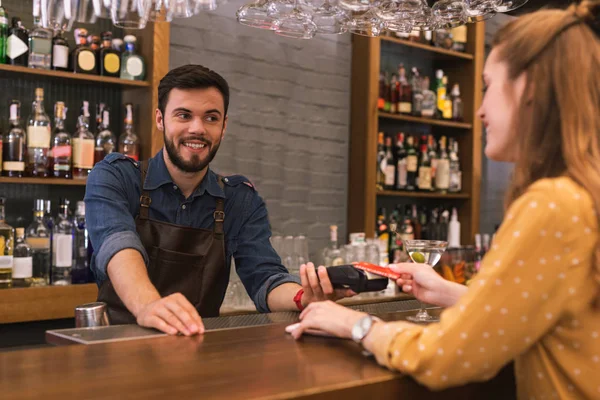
point(159, 11)
point(426, 252)
point(57, 14)
point(480, 10)
point(368, 24)
point(424, 20)
point(300, 251)
point(330, 19)
point(449, 13)
point(130, 14)
point(296, 24)
point(509, 5)
point(205, 5)
point(287, 253)
point(255, 15)
point(181, 9)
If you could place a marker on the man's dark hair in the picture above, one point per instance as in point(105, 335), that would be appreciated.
point(191, 76)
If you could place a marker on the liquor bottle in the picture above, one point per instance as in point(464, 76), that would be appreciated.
point(17, 47)
point(40, 46)
point(406, 229)
point(129, 143)
point(6, 248)
point(459, 38)
point(486, 243)
point(418, 229)
point(48, 218)
point(39, 239)
point(99, 108)
point(332, 255)
point(110, 59)
point(38, 138)
point(455, 172)
point(380, 162)
point(454, 230)
point(441, 92)
point(442, 38)
point(447, 110)
point(411, 164)
point(442, 173)
point(400, 163)
point(106, 142)
point(81, 270)
point(417, 89)
point(61, 144)
point(62, 247)
point(117, 45)
point(83, 59)
point(427, 37)
point(424, 224)
point(381, 97)
point(14, 149)
point(394, 95)
point(60, 52)
point(22, 261)
point(429, 106)
point(3, 33)
point(132, 65)
point(433, 159)
point(383, 237)
point(424, 169)
point(405, 92)
point(83, 145)
point(457, 104)
point(387, 94)
point(390, 166)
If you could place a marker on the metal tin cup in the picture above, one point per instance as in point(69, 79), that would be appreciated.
point(90, 315)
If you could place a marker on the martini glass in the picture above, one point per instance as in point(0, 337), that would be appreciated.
point(427, 252)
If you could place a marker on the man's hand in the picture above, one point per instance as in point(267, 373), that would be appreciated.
point(318, 287)
point(172, 314)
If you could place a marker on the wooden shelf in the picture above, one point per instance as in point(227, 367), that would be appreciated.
point(44, 303)
point(432, 49)
point(423, 195)
point(44, 181)
point(427, 121)
point(71, 75)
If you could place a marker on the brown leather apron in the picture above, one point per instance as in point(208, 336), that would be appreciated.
point(183, 260)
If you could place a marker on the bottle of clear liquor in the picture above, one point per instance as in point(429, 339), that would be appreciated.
point(81, 269)
point(39, 239)
point(132, 65)
point(442, 173)
point(455, 172)
point(129, 142)
point(40, 45)
point(38, 137)
point(83, 145)
point(62, 247)
point(6, 249)
point(14, 148)
point(22, 261)
point(61, 143)
point(332, 255)
point(106, 142)
point(429, 104)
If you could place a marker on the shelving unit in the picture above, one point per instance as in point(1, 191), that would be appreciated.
point(43, 181)
point(368, 55)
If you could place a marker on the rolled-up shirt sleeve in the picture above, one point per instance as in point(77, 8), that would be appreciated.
point(257, 263)
point(109, 218)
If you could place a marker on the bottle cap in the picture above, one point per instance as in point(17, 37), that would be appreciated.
point(39, 92)
point(439, 74)
point(130, 39)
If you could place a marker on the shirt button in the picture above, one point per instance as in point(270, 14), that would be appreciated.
point(225, 180)
point(183, 206)
point(175, 187)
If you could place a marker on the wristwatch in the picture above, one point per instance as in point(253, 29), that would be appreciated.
point(362, 327)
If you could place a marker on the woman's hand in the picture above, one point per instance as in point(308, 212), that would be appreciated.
point(326, 319)
point(426, 285)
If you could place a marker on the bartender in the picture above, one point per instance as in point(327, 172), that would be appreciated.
point(165, 229)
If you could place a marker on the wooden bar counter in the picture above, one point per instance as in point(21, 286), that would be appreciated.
point(260, 362)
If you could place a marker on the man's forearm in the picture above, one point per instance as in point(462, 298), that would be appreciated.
point(129, 276)
point(282, 297)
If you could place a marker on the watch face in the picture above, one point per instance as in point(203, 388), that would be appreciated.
point(362, 327)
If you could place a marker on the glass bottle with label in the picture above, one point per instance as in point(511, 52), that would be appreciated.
point(60, 52)
point(40, 46)
point(14, 148)
point(457, 104)
point(441, 92)
point(38, 138)
point(106, 142)
point(61, 144)
point(62, 247)
point(39, 239)
point(417, 89)
point(424, 169)
point(99, 108)
point(394, 94)
point(380, 161)
point(83, 145)
point(81, 270)
point(442, 173)
point(405, 92)
point(400, 163)
point(22, 261)
point(412, 162)
point(3, 33)
point(17, 44)
point(83, 59)
point(459, 38)
point(455, 184)
point(129, 142)
point(429, 105)
point(132, 65)
point(390, 166)
point(6, 248)
point(110, 61)
point(447, 103)
point(433, 158)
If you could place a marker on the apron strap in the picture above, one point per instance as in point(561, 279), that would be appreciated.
point(219, 214)
point(145, 197)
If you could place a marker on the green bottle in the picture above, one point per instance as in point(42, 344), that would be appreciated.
point(3, 33)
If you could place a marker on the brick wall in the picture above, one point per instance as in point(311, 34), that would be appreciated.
point(288, 118)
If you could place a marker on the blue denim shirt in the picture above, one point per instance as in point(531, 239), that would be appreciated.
point(112, 201)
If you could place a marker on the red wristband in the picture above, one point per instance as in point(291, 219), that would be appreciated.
point(298, 299)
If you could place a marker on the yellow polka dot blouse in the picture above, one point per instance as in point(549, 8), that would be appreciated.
point(531, 302)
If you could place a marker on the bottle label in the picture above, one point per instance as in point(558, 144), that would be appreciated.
point(60, 56)
point(447, 114)
point(15, 47)
point(389, 174)
point(112, 64)
point(434, 164)
point(411, 163)
point(425, 178)
point(405, 107)
point(135, 67)
point(459, 34)
point(22, 267)
point(38, 136)
point(13, 166)
point(441, 98)
point(62, 250)
point(6, 262)
point(83, 153)
point(3, 21)
point(61, 151)
point(38, 243)
point(442, 174)
point(86, 60)
point(402, 174)
point(41, 46)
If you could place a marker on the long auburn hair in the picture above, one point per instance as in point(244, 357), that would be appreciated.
point(559, 130)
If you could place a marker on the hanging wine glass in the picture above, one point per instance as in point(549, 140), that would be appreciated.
point(297, 24)
point(368, 24)
point(330, 19)
point(255, 15)
point(510, 5)
point(449, 13)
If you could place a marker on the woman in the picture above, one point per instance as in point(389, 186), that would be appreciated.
point(536, 299)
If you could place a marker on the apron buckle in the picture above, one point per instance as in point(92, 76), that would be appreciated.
point(219, 216)
point(145, 201)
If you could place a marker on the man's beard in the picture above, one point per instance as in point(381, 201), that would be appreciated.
point(196, 164)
